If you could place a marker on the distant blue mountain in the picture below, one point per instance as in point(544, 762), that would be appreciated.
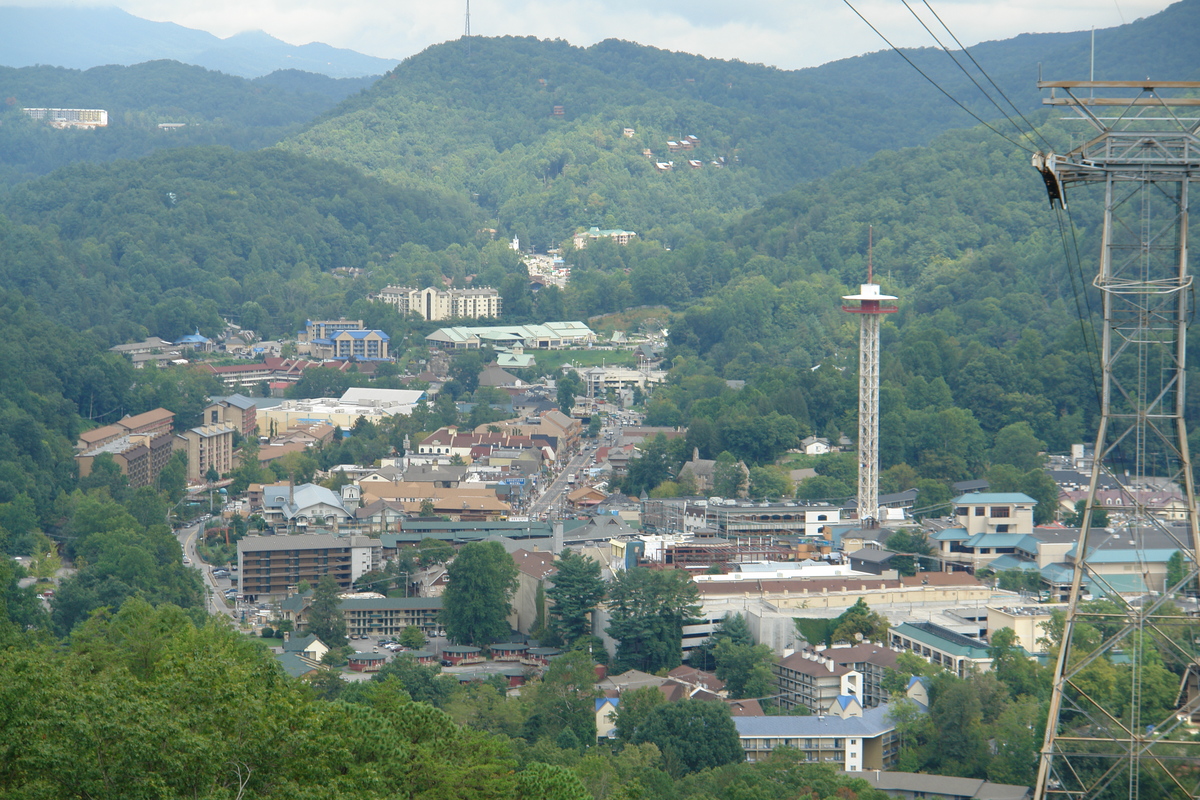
point(81, 38)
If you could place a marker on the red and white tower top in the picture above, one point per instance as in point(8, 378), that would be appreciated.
point(871, 301)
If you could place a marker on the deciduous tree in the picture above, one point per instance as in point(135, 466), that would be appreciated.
point(692, 735)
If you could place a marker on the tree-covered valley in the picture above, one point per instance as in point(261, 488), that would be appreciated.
point(291, 199)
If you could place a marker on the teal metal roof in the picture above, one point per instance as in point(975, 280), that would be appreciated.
point(950, 535)
point(1124, 583)
point(294, 665)
point(976, 498)
point(1123, 555)
point(1029, 544)
point(1058, 572)
point(995, 540)
point(1010, 561)
point(943, 639)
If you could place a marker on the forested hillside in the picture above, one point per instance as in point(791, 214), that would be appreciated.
point(166, 243)
point(215, 109)
point(485, 123)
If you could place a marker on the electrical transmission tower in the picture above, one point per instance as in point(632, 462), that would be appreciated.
point(1126, 691)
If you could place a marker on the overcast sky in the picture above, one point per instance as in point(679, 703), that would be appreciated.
point(783, 33)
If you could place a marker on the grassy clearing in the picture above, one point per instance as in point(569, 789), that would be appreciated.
point(629, 320)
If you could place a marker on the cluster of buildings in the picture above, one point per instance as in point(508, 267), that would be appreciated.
point(142, 445)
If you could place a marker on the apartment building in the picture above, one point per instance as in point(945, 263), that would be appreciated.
point(843, 734)
point(273, 565)
point(236, 410)
point(435, 304)
point(140, 445)
point(813, 680)
point(207, 447)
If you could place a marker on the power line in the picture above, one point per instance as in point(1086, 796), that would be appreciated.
point(985, 74)
point(935, 84)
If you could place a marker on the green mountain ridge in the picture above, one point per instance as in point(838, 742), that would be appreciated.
point(532, 130)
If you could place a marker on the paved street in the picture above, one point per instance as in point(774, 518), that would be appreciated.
point(214, 587)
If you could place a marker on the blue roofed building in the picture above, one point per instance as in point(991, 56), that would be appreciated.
point(360, 344)
point(194, 341)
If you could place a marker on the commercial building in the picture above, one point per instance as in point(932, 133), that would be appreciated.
point(435, 304)
point(389, 616)
point(949, 649)
point(273, 565)
point(358, 345)
point(918, 786)
point(602, 380)
point(295, 508)
point(547, 336)
point(70, 117)
point(374, 405)
point(326, 329)
point(987, 526)
point(370, 613)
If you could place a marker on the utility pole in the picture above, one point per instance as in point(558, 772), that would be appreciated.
point(1141, 155)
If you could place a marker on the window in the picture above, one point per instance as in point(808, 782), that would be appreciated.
point(1000, 512)
point(979, 511)
point(961, 511)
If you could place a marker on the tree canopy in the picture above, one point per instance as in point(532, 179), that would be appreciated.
point(476, 603)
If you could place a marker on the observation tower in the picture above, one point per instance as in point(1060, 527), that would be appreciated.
point(871, 306)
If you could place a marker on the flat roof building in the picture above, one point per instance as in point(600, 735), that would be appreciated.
point(274, 565)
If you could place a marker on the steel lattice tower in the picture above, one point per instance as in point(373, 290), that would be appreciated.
point(870, 307)
point(1126, 688)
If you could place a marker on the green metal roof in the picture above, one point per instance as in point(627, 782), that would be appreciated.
point(943, 639)
point(390, 603)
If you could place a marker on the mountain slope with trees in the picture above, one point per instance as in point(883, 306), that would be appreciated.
point(533, 130)
point(215, 109)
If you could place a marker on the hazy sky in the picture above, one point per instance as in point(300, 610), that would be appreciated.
point(783, 33)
